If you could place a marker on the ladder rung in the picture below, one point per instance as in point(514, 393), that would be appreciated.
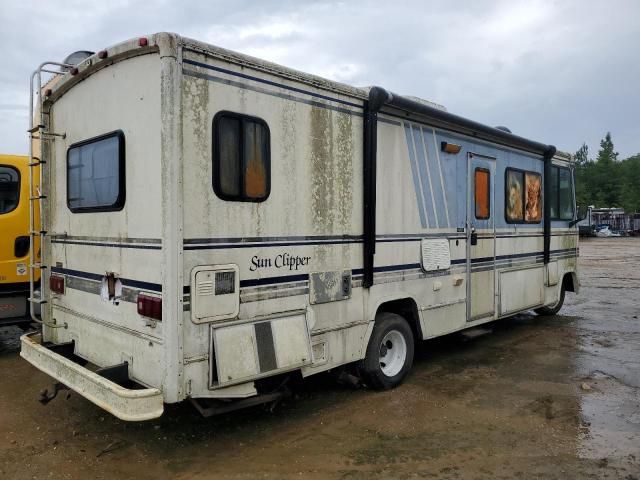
point(36, 300)
point(39, 162)
point(39, 197)
point(41, 232)
point(38, 265)
point(35, 129)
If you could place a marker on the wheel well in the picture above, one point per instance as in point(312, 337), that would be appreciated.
point(568, 282)
point(407, 309)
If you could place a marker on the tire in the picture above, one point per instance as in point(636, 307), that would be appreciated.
point(552, 310)
point(391, 336)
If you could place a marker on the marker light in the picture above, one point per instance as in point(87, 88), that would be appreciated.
point(149, 306)
point(56, 284)
point(103, 54)
point(143, 42)
point(74, 71)
point(47, 92)
point(450, 147)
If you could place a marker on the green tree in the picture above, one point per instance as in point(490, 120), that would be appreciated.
point(582, 155)
point(607, 153)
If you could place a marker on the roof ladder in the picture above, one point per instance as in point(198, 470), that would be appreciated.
point(37, 196)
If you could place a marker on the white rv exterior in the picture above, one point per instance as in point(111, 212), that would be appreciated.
point(349, 228)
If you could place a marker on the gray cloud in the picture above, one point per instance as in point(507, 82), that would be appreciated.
point(558, 72)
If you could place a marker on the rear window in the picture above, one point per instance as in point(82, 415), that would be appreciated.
point(9, 189)
point(95, 174)
point(241, 157)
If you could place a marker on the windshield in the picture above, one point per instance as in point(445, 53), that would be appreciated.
point(9, 189)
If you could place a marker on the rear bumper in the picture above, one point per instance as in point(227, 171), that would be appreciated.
point(126, 404)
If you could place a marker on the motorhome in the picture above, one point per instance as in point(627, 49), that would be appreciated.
point(14, 240)
point(215, 223)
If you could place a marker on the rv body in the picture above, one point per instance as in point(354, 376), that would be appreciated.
point(14, 240)
point(199, 278)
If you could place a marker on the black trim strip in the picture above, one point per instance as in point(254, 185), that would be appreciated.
point(191, 241)
point(248, 242)
point(111, 245)
point(127, 282)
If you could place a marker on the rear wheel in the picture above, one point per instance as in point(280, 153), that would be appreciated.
point(552, 309)
point(390, 352)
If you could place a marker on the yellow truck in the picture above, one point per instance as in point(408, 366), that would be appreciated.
point(14, 239)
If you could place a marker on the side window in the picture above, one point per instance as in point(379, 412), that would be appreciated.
point(561, 195)
point(523, 196)
point(514, 208)
point(482, 182)
point(241, 158)
point(95, 174)
point(9, 189)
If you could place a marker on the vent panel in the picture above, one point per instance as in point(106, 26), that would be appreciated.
point(225, 283)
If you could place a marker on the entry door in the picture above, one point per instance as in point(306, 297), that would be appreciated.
point(481, 237)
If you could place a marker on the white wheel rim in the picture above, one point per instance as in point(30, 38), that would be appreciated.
point(393, 353)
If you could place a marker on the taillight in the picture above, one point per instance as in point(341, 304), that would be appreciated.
point(21, 247)
point(56, 284)
point(143, 42)
point(149, 306)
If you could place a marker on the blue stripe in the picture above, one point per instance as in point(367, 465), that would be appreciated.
point(414, 174)
point(127, 282)
point(269, 82)
point(381, 269)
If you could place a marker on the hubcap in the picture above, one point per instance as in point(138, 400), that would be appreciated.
point(393, 353)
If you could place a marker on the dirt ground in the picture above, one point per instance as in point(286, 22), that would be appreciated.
point(552, 398)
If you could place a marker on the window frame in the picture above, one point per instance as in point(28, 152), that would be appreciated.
point(215, 180)
point(571, 193)
point(118, 205)
point(524, 196)
point(475, 189)
point(11, 167)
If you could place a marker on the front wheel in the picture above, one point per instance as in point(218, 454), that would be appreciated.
point(390, 352)
point(552, 309)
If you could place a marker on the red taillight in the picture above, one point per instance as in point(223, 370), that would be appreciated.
point(56, 284)
point(102, 54)
point(143, 42)
point(149, 306)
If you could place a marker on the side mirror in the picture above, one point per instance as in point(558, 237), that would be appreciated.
point(582, 214)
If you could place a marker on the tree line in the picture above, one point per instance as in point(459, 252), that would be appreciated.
point(606, 181)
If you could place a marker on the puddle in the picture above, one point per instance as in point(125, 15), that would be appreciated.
point(610, 414)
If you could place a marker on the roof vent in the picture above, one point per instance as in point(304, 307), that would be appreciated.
point(76, 57)
point(504, 129)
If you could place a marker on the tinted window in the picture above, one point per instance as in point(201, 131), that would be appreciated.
point(514, 195)
point(95, 174)
point(565, 196)
point(9, 189)
point(561, 194)
point(241, 157)
point(553, 192)
point(482, 189)
point(523, 196)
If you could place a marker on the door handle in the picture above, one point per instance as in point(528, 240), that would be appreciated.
point(474, 236)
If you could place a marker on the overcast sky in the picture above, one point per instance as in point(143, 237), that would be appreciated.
point(561, 72)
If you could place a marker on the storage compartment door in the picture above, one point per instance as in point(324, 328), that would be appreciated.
point(243, 352)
